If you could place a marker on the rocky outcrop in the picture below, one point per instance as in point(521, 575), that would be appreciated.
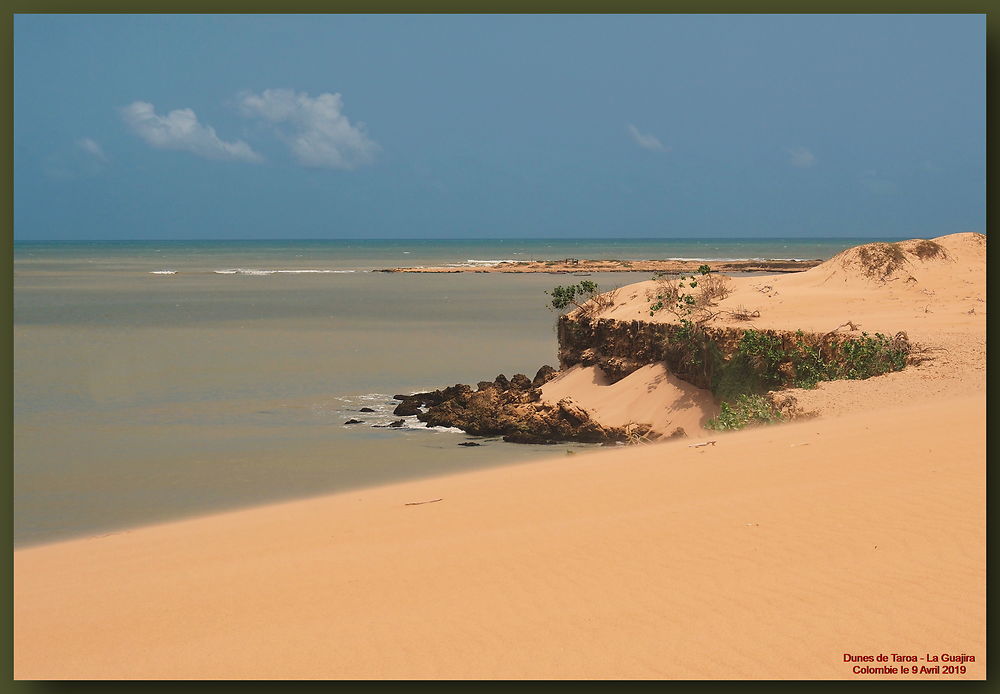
point(407, 408)
point(513, 409)
point(721, 359)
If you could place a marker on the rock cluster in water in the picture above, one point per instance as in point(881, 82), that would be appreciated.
point(513, 409)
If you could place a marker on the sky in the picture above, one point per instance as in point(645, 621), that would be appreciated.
point(509, 126)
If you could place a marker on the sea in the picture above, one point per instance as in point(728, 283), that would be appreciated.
point(155, 380)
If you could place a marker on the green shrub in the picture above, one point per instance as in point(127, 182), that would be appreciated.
point(763, 361)
point(867, 356)
point(743, 411)
point(752, 368)
point(573, 295)
point(808, 363)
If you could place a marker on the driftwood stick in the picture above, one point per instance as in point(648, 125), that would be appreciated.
point(417, 503)
point(849, 324)
point(699, 445)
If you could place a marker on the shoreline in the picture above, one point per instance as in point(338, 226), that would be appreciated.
point(571, 266)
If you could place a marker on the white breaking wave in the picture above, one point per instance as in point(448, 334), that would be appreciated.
point(382, 416)
point(472, 262)
point(163, 272)
point(246, 271)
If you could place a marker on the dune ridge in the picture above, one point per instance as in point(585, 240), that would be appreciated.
point(934, 290)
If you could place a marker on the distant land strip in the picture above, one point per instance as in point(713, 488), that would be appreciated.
point(574, 266)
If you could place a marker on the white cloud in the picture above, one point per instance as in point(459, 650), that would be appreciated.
point(91, 147)
point(801, 157)
point(315, 128)
point(650, 142)
point(181, 130)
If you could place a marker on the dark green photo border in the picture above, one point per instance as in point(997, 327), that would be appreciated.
point(374, 7)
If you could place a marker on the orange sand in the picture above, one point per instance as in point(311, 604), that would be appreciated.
point(651, 395)
point(769, 554)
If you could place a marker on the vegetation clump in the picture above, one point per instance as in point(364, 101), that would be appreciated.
point(586, 296)
point(744, 410)
point(880, 260)
point(872, 355)
point(689, 297)
point(573, 295)
point(764, 361)
point(925, 249)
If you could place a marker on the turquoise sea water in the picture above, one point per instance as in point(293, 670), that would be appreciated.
point(141, 396)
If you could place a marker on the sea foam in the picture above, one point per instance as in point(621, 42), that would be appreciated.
point(246, 271)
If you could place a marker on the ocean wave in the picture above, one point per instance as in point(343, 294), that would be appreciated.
point(382, 416)
point(245, 271)
point(472, 262)
point(163, 272)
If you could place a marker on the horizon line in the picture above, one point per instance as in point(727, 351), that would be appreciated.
point(471, 238)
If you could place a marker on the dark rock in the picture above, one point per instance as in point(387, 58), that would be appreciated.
point(514, 411)
point(407, 408)
point(434, 397)
point(543, 376)
point(520, 382)
point(470, 443)
point(617, 368)
point(366, 409)
point(353, 421)
point(397, 423)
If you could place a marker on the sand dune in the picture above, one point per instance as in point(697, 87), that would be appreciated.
point(651, 395)
point(771, 553)
point(943, 311)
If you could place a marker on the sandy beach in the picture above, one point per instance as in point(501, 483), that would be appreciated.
point(798, 550)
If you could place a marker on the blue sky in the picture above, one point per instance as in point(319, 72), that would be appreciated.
point(353, 126)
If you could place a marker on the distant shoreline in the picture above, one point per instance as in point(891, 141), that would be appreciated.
point(573, 266)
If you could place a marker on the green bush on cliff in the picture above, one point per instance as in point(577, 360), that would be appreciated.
point(753, 367)
point(763, 362)
point(573, 295)
point(871, 355)
point(744, 410)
